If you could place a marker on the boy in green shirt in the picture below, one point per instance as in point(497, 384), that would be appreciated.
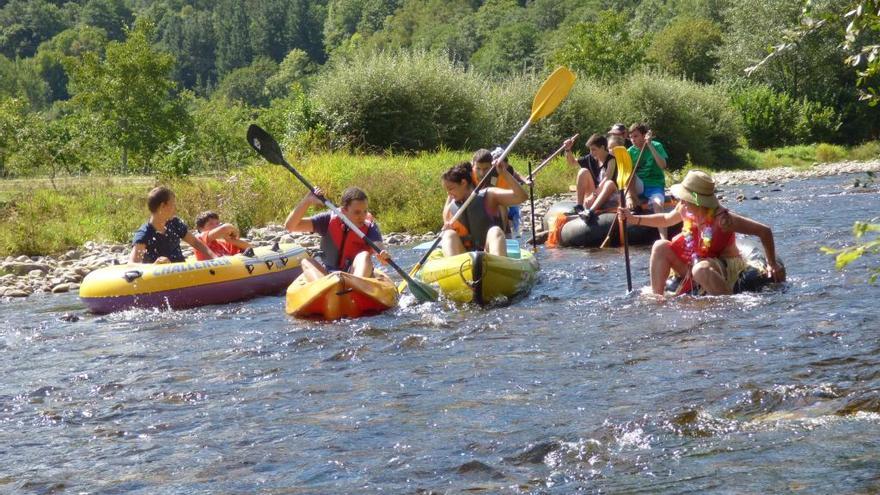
point(651, 167)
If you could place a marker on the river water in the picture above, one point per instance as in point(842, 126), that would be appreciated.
point(576, 387)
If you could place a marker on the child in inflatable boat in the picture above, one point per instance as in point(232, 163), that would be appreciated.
point(705, 252)
point(223, 239)
point(343, 250)
point(158, 239)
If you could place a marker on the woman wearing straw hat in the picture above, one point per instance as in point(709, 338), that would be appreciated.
point(705, 251)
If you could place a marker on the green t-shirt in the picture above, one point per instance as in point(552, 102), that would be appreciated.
point(650, 173)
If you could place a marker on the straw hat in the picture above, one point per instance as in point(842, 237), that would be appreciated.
point(697, 188)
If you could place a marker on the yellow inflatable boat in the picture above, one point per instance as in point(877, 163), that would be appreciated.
point(192, 283)
point(340, 295)
point(480, 277)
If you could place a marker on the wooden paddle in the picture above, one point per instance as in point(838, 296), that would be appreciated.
point(549, 96)
point(531, 179)
point(268, 148)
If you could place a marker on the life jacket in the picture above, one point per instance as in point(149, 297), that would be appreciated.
point(475, 222)
point(495, 180)
point(220, 247)
point(556, 223)
point(343, 245)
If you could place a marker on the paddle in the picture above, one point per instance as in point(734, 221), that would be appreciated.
point(629, 180)
point(549, 96)
point(549, 158)
point(532, 206)
point(268, 148)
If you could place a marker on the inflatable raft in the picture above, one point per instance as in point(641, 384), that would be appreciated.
point(340, 295)
point(480, 277)
point(752, 279)
point(192, 283)
point(575, 232)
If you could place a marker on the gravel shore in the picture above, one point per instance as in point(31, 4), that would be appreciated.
point(22, 276)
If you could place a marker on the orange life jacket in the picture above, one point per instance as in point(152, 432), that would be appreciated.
point(348, 244)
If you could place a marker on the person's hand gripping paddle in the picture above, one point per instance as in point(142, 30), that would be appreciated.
point(549, 96)
point(268, 148)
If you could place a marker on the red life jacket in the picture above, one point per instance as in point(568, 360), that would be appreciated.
point(721, 239)
point(220, 247)
point(348, 244)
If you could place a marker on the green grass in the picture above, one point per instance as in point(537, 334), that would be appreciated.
point(405, 195)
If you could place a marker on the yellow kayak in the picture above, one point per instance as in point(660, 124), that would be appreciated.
point(340, 295)
point(480, 277)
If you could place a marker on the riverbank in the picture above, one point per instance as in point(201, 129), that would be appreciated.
point(23, 276)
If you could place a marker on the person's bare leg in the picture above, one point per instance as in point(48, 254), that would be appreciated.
point(657, 207)
point(605, 192)
point(362, 266)
point(312, 269)
point(585, 185)
point(451, 243)
point(496, 243)
point(662, 259)
point(710, 279)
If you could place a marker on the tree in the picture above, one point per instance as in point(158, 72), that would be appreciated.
point(686, 48)
point(66, 48)
point(20, 78)
point(24, 24)
point(248, 84)
point(601, 50)
point(508, 49)
point(867, 242)
point(131, 92)
point(113, 16)
point(295, 67)
point(233, 37)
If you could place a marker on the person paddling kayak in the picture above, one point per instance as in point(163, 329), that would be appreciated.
point(705, 251)
point(479, 228)
point(343, 250)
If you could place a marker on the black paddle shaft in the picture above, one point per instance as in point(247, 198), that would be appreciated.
point(532, 202)
point(625, 241)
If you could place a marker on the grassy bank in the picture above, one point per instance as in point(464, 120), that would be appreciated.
point(405, 195)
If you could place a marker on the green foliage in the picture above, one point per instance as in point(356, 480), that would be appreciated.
point(64, 50)
point(404, 101)
point(686, 48)
point(131, 93)
point(867, 242)
point(828, 153)
point(24, 24)
point(295, 68)
point(219, 127)
point(112, 16)
point(688, 118)
point(772, 119)
point(20, 78)
point(509, 49)
point(602, 50)
point(866, 151)
point(860, 41)
point(248, 84)
point(231, 26)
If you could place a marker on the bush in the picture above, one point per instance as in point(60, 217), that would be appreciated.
point(769, 118)
point(686, 48)
point(828, 153)
point(688, 118)
point(866, 151)
point(816, 123)
point(399, 101)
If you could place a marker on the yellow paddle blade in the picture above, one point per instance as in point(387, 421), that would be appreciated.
point(552, 92)
point(624, 166)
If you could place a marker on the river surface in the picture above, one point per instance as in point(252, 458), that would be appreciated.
point(576, 387)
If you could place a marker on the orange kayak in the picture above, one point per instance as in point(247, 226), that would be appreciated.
point(340, 295)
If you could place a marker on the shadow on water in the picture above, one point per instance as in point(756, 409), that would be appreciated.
point(576, 386)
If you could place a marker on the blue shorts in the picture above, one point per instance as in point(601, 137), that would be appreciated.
point(655, 191)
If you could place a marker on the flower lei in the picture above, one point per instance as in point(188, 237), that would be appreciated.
point(690, 221)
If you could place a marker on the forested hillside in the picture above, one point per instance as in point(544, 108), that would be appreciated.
point(167, 86)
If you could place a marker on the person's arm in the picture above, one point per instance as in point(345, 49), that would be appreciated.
point(569, 155)
point(295, 221)
point(743, 225)
point(658, 158)
point(667, 219)
point(506, 197)
point(610, 172)
point(137, 253)
point(225, 231)
point(198, 245)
